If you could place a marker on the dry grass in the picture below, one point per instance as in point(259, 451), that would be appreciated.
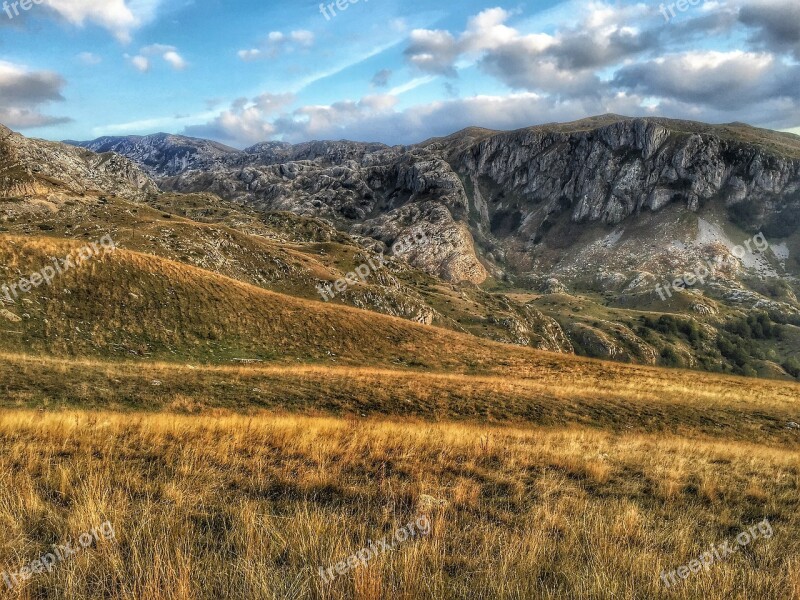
point(549, 390)
point(250, 507)
point(130, 304)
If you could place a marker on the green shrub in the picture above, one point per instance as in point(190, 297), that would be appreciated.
point(670, 358)
point(792, 366)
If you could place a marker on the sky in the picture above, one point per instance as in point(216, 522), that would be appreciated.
point(398, 72)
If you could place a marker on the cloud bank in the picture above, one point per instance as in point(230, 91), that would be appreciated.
point(620, 58)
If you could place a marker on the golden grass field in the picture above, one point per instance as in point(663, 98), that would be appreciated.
point(242, 506)
point(538, 388)
point(562, 478)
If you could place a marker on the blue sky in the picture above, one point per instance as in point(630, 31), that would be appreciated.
point(384, 70)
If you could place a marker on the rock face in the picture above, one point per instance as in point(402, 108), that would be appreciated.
point(498, 203)
point(612, 172)
point(346, 182)
point(31, 167)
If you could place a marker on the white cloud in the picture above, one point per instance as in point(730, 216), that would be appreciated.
point(251, 54)
point(721, 80)
point(174, 59)
point(140, 63)
point(169, 54)
point(121, 17)
point(277, 42)
point(20, 84)
point(88, 58)
point(433, 51)
point(564, 62)
point(487, 30)
point(247, 121)
point(302, 37)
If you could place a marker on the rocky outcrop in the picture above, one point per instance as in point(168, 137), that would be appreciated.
point(612, 172)
point(526, 326)
point(596, 343)
point(384, 194)
point(30, 167)
point(446, 249)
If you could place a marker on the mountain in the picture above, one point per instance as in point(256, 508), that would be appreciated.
point(36, 167)
point(518, 196)
point(281, 252)
point(554, 236)
point(163, 154)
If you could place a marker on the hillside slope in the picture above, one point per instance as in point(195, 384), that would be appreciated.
point(125, 303)
point(559, 236)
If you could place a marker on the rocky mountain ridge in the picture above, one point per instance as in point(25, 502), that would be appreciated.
point(502, 203)
point(278, 252)
point(37, 167)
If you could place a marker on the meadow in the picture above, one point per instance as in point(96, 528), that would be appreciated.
point(250, 506)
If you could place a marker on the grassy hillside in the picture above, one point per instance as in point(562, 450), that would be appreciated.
point(532, 388)
point(132, 304)
point(542, 475)
point(291, 255)
point(281, 252)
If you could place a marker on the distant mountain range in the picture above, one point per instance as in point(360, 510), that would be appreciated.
point(558, 237)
